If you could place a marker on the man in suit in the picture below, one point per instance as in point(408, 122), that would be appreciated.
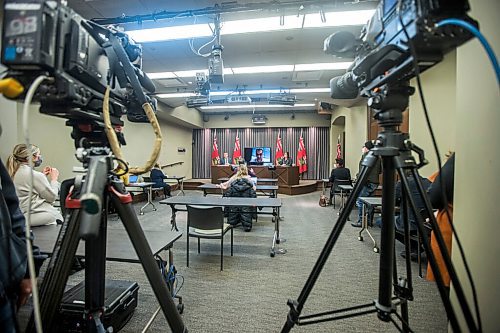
point(225, 159)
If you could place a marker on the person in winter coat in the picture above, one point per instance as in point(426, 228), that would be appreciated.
point(240, 185)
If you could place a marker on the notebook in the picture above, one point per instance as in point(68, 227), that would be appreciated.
point(133, 178)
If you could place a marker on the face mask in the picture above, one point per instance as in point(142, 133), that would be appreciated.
point(38, 162)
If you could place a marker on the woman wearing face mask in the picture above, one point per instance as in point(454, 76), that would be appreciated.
point(45, 185)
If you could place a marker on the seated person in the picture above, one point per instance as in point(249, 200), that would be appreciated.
point(157, 177)
point(225, 159)
point(240, 185)
point(339, 173)
point(45, 191)
point(398, 219)
point(287, 160)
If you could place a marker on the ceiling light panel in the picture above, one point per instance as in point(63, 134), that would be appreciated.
point(333, 19)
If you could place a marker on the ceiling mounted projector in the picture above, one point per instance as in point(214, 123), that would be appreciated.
point(283, 98)
point(239, 99)
point(259, 119)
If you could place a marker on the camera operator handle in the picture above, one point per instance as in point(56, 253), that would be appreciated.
point(113, 140)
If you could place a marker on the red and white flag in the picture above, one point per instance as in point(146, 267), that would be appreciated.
point(237, 150)
point(302, 155)
point(279, 150)
point(215, 152)
point(339, 148)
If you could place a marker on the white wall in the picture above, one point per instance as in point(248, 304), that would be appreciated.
point(477, 180)
point(439, 87)
point(311, 119)
point(356, 132)
point(53, 137)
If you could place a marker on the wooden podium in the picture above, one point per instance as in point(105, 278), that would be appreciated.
point(286, 175)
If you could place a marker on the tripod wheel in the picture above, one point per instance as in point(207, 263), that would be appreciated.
point(180, 307)
point(273, 254)
point(375, 249)
point(360, 238)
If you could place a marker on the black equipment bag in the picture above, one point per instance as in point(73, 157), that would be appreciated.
point(120, 301)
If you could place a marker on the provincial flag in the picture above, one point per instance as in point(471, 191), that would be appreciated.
point(339, 148)
point(215, 152)
point(237, 149)
point(279, 150)
point(302, 156)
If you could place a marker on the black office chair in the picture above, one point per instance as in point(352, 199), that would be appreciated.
point(335, 188)
point(207, 222)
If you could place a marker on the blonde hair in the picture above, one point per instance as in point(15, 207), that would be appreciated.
point(20, 155)
point(242, 171)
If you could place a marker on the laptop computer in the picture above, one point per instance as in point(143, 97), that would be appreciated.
point(133, 178)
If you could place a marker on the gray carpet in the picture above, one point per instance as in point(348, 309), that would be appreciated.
point(250, 295)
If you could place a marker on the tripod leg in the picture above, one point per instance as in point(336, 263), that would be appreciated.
point(296, 306)
point(141, 246)
point(449, 266)
point(56, 276)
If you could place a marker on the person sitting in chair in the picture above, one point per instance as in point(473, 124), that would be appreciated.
point(287, 160)
point(157, 177)
point(339, 173)
point(240, 185)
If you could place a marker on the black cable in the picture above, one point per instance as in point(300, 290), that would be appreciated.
point(436, 149)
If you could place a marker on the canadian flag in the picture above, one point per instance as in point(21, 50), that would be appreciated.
point(215, 152)
point(279, 150)
point(237, 149)
point(302, 156)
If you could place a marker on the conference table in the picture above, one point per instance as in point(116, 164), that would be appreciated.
point(118, 244)
point(145, 187)
point(271, 181)
point(180, 183)
point(273, 203)
point(369, 202)
point(267, 190)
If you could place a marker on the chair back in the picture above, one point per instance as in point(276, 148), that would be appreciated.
point(338, 182)
point(205, 218)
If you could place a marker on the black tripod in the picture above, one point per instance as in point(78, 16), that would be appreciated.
point(87, 218)
point(395, 150)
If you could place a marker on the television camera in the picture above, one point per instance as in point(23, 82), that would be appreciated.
point(382, 53)
point(400, 40)
point(81, 57)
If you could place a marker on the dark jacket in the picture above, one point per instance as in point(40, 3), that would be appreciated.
point(377, 170)
point(242, 188)
point(419, 201)
point(157, 177)
point(447, 174)
point(287, 162)
point(12, 235)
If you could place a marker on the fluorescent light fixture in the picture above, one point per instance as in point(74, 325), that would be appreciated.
point(176, 95)
point(255, 70)
point(322, 66)
point(262, 69)
point(275, 23)
point(162, 75)
point(170, 33)
point(250, 92)
point(258, 106)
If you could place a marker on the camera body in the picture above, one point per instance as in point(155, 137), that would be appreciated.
point(382, 52)
point(44, 37)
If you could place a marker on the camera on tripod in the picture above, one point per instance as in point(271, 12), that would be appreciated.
point(382, 52)
point(82, 57)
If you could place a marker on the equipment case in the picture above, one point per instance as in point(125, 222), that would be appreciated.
point(120, 301)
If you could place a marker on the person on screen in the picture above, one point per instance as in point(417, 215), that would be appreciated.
point(287, 160)
point(259, 156)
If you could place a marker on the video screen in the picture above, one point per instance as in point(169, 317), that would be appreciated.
point(258, 155)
